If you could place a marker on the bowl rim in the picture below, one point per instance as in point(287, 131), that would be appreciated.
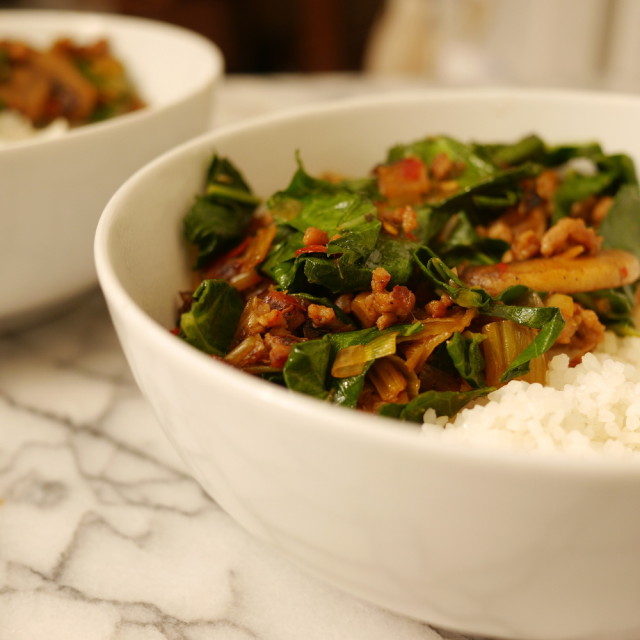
point(350, 423)
point(215, 66)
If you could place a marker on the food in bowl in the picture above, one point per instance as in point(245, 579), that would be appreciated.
point(67, 83)
point(449, 270)
point(484, 541)
point(47, 232)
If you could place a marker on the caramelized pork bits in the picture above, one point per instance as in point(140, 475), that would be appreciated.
point(449, 270)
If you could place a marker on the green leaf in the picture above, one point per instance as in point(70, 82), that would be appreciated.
point(622, 166)
point(344, 274)
point(610, 173)
point(222, 172)
point(466, 355)
point(307, 367)
point(349, 215)
point(395, 254)
point(222, 191)
point(335, 213)
point(347, 391)
point(280, 263)
point(444, 403)
point(211, 322)
point(322, 273)
point(355, 244)
point(479, 200)
point(621, 227)
point(614, 308)
point(529, 148)
point(444, 278)
point(499, 202)
point(561, 154)
point(576, 187)
point(220, 218)
point(485, 187)
point(463, 244)
point(214, 227)
point(431, 220)
point(476, 168)
point(548, 320)
point(303, 187)
point(364, 336)
point(347, 264)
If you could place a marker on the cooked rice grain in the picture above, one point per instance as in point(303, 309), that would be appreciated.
point(14, 127)
point(587, 410)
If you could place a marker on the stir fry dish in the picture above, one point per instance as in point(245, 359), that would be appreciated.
point(81, 84)
point(448, 271)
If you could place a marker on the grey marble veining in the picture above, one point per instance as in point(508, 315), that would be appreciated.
point(102, 533)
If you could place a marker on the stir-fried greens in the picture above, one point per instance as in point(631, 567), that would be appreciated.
point(78, 83)
point(450, 270)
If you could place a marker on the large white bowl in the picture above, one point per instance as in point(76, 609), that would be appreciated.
point(52, 191)
point(511, 546)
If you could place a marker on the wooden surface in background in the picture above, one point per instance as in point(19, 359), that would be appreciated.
point(265, 36)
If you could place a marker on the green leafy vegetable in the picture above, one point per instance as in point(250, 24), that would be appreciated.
point(361, 232)
point(548, 320)
point(335, 213)
point(614, 308)
point(349, 215)
point(444, 403)
point(304, 187)
point(479, 199)
point(474, 167)
point(220, 218)
point(621, 227)
point(308, 368)
point(463, 244)
point(357, 247)
point(466, 355)
point(577, 187)
point(530, 148)
point(210, 323)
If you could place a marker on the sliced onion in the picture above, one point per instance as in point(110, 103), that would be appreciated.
point(351, 360)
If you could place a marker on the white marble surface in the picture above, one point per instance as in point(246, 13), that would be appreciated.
point(103, 535)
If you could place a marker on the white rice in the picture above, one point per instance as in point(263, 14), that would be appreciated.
point(587, 410)
point(14, 127)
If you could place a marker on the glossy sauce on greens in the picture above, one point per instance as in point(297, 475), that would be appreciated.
point(417, 286)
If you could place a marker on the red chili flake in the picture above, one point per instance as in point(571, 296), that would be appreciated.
point(624, 272)
point(312, 248)
point(412, 168)
point(502, 267)
point(175, 331)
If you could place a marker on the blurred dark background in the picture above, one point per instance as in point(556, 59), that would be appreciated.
point(257, 36)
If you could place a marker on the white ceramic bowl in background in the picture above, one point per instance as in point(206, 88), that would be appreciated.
point(52, 191)
point(511, 546)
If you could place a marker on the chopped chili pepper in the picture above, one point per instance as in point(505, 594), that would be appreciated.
point(312, 248)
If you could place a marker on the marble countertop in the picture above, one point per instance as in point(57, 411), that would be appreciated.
point(103, 534)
